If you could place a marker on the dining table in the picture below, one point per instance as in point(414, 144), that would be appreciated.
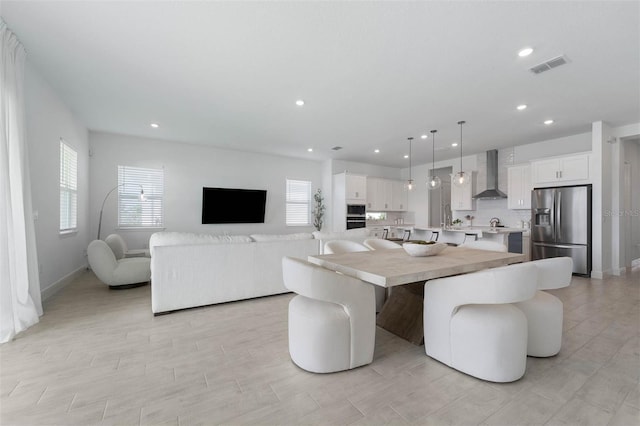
point(395, 268)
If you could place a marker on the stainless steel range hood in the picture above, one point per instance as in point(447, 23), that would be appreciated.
point(492, 192)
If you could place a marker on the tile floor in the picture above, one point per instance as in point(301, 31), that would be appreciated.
point(100, 357)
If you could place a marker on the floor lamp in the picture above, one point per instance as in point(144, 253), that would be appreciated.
point(142, 198)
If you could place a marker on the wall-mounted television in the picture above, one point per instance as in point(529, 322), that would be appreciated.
point(227, 205)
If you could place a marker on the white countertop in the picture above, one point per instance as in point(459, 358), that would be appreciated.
point(480, 229)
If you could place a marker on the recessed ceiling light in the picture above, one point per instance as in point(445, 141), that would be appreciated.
point(310, 149)
point(376, 151)
point(454, 144)
point(406, 156)
point(300, 102)
point(155, 125)
point(525, 52)
point(547, 122)
point(423, 136)
point(521, 107)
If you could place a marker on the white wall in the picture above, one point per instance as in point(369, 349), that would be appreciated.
point(48, 120)
point(552, 147)
point(187, 168)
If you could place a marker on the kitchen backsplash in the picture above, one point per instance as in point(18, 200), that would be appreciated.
point(487, 209)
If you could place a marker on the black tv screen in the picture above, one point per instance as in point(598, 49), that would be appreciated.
point(226, 205)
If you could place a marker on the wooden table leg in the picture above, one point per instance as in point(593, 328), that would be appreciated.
point(402, 313)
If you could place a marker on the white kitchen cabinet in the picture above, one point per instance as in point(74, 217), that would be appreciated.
point(356, 187)
point(519, 192)
point(347, 189)
point(380, 194)
point(376, 231)
point(560, 169)
point(399, 196)
point(462, 197)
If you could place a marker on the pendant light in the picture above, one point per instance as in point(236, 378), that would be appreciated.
point(410, 181)
point(434, 181)
point(461, 178)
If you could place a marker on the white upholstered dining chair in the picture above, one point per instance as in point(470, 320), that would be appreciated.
point(544, 311)
point(471, 324)
point(346, 246)
point(332, 321)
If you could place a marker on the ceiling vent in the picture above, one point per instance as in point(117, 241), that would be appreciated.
point(336, 148)
point(550, 64)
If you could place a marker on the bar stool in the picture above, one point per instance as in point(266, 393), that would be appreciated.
point(385, 233)
point(434, 235)
point(406, 235)
point(469, 237)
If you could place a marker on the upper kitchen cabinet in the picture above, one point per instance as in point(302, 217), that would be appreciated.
point(462, 197)
point(386, 195)
point(519, 192)
point(560, 169)
point(353, 188)
point(399, 196)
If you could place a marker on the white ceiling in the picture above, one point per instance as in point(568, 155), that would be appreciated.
point(371, 73)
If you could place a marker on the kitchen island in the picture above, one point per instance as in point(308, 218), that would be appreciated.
point(510, 237)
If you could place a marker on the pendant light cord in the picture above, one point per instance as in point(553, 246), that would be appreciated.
point(433, 152)
point(410, 139)
point(461, 123)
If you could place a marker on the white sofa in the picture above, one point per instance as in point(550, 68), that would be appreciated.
point(190, 270)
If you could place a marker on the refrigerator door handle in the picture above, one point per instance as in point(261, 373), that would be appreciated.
point(552, 217)
point(558, 235)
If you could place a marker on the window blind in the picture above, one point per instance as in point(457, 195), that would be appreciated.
point(68, 188)
point(134, 212)
point(298, 202)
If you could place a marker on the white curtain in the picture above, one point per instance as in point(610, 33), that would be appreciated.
point(20, 302)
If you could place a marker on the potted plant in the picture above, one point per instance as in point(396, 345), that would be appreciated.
point(318, 211)
point(456, 223)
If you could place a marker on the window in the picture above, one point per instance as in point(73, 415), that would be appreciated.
point(68, 188)
point(134, 209)
point(298, 202)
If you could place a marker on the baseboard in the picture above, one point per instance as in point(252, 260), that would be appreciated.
point(597, 275)
point(61, 283)
point(619, 271)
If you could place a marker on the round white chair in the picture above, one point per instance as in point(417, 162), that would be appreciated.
point(123, 273)
point(544, 311)
point(343, 246)
point(485, 245)
point(332, 321)
point(120, 250)
point(347, 246)
point(379, 244)
point(471, 324)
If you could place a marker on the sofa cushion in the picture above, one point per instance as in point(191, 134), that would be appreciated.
point(281, 237)
point(189, 238)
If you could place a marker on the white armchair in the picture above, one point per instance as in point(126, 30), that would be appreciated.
point(544, 311)
point(380, 244)
point(123, 273)
point(347, 246)
point(120, 250)
point(331, 321)
point(471, 325)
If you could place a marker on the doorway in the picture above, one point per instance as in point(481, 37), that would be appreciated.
point(440, 199)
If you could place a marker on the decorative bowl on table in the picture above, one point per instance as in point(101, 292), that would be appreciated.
point(423, 248)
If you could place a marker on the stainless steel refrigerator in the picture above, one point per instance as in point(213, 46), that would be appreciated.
point(561, 225)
